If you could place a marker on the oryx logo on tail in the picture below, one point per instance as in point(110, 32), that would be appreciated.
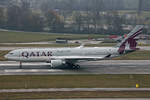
point(129, 42)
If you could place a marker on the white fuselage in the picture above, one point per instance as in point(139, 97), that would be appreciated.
point(48, 54)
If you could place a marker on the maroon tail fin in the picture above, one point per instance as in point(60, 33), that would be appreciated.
point(129, 43)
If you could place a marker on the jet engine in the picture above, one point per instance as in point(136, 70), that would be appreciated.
point(57, 63)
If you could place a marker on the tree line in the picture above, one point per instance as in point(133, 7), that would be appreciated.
point(54, 16)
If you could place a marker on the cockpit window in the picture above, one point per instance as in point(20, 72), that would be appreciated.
point(11, 53)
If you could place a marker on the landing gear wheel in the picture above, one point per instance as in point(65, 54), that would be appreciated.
point(72, 66)
point(76, 67)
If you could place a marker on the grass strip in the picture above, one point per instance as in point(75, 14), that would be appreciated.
point(19, 37)
point(2, 53)
point(64, 45)
point(68, 95)
point(57, 45)
point(73, 81)
point(137, 55)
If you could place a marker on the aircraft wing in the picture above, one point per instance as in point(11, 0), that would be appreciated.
point(79, 57)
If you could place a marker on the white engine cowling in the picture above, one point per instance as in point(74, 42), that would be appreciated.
point(57, 63)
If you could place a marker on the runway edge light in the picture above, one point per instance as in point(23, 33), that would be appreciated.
point(137, 85)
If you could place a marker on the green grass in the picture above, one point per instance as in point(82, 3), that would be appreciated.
point(64, 45)
point(57, 45)
point(74, 81)
point(40, 45)
point(137, 55)
point(2, 53)
point(143, 44)
point(68, 95)
point(15, 37)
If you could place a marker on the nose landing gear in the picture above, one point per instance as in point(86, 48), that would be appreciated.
point(20, 66)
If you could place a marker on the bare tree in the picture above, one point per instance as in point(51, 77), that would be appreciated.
point(21, 17)
point(13, 20)
point(115, 22)
point(78, 20)
point(96, 13)
point(54, 21)
point(2, 17)
point(140, 7)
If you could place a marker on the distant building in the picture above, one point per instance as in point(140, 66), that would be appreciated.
point(127, 27)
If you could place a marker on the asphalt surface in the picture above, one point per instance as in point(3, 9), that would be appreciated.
point(95, 67)
point(74, 90)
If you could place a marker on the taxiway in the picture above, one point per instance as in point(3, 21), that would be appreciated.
point(94, 67)
point(73, 90)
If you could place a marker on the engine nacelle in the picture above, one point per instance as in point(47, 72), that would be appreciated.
point(57, 63)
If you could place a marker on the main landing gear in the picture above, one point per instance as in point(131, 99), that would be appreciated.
point(73, 66)
point(76, 67)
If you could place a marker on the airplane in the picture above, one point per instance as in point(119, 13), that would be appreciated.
point(69, 56)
